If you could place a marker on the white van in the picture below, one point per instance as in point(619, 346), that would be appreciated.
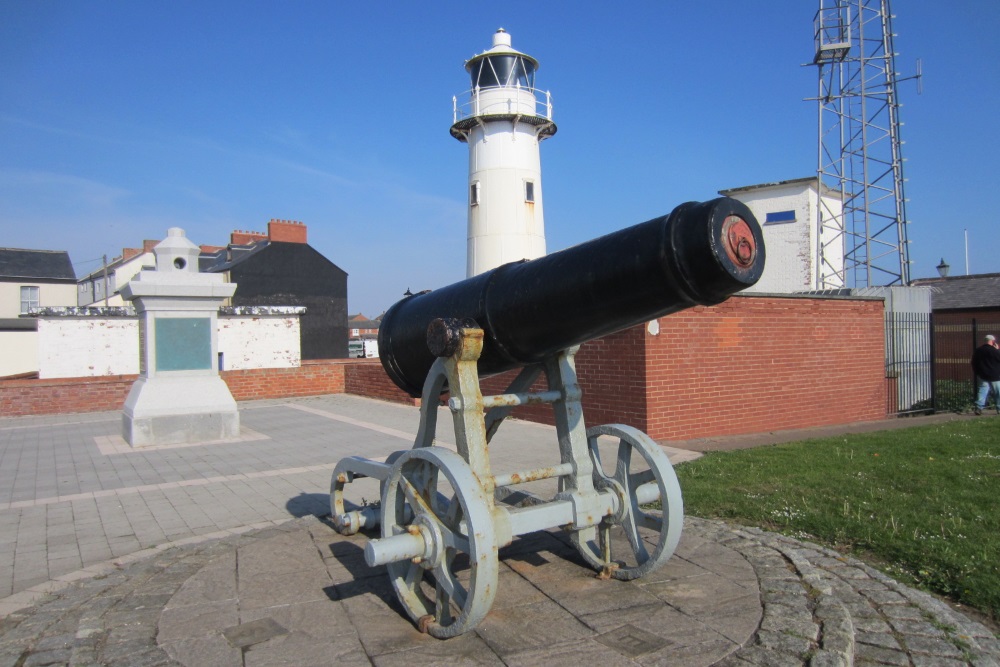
point(362, 349)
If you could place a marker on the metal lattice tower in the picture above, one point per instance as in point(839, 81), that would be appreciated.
point(862, 218)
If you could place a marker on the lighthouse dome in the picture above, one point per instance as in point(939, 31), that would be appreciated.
point(502, 66)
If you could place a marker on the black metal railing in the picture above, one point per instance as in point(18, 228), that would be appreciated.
point(954, 339)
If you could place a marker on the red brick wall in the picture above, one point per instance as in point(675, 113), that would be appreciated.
point(42, 397)
point(312, 378)
point(366, 377)
point(986, 318)
point(48, 397)
point(955, 338)
point(612, 376)
point(757, 364)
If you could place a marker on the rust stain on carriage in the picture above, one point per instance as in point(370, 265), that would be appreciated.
point(543, 473)
point(608, 571)
point(504, 400)
point(424, 623)
point(533, 475)
point(514, 400)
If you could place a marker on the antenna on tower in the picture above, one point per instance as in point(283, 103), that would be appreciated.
point(862, 209)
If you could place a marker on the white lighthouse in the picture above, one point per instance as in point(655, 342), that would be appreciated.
point(502, 119)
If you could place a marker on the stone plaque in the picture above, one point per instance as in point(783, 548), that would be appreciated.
point(183, 343)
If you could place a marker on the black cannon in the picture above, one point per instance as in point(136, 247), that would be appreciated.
point(444, 514)
point(700, 254)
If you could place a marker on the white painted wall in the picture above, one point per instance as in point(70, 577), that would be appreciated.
point(87, 346)
point(789, 265)
point(68, 346)
point(259, 342)
point(792, 247)
point(10, 299)
point(835, 242)
point(503, 227)
point(18, 352)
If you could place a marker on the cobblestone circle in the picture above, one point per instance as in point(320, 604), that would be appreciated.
point(819, 609)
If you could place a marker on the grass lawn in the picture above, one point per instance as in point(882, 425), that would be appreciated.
point(921, 504)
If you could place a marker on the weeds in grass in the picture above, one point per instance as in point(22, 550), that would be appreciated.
point(918, 503)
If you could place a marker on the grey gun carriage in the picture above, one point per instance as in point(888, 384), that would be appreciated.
point(443, 514)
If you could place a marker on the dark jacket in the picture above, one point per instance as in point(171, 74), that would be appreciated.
point(986, 363)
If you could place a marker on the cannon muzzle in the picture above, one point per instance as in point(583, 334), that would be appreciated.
point(700, 254)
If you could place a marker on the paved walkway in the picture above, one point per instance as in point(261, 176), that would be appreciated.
point(213, 555)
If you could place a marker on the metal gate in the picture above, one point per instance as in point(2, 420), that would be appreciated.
point(953, 341)
point(908, 367)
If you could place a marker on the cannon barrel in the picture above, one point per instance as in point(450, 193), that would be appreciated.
point(699, 254)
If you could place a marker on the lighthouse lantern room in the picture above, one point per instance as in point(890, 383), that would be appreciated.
point(502, 119)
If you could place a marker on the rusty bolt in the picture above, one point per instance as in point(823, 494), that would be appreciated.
point(424, 623)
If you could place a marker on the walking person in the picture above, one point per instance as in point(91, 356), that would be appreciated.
point(986, 364)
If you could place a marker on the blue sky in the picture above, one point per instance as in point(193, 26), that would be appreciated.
point(120, 119)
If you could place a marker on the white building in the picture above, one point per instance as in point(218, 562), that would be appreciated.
point(103, 286)
point(503, 119)
point(787, 212)
point(29, 280)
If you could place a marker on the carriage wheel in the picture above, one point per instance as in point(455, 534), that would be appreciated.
point(450, 589)
point(635, 540)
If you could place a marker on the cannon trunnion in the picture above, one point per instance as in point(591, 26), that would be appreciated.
point(444, 514)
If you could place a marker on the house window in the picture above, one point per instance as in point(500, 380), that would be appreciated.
point(474, 194)
point(29, 299)
point(354, 332)
point(529, 191)
point(779, 217)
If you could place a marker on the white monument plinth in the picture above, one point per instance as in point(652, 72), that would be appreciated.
point(179, 396)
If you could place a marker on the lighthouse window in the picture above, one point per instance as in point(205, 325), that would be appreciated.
point(529, 191)
point(501, 71)
point(474, 194)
